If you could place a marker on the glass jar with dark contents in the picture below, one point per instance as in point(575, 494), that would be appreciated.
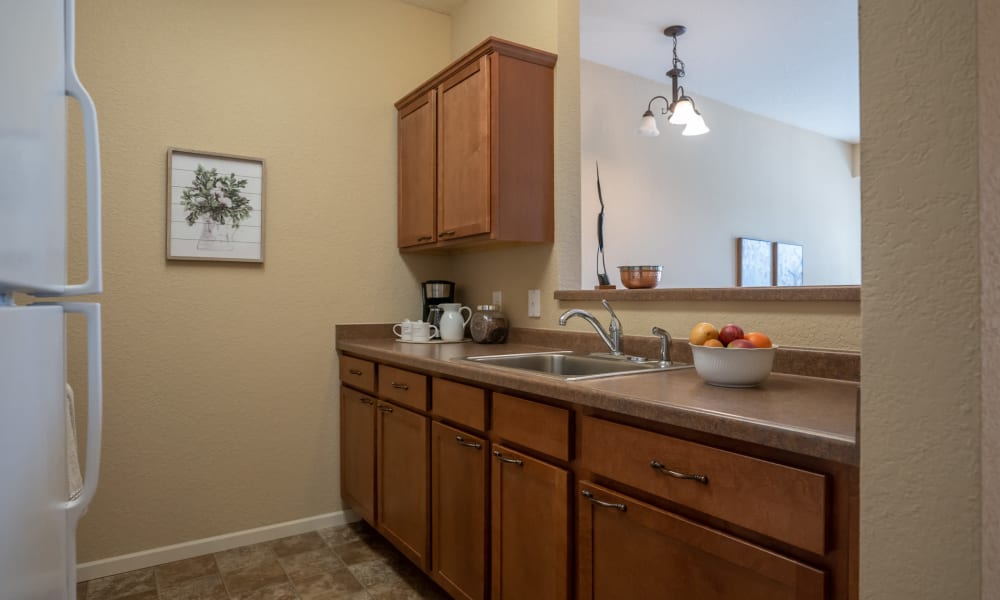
point(488, 325)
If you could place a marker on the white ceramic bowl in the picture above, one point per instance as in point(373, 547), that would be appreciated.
point(733, 367)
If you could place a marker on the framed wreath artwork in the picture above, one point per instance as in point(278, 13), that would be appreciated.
point(215, 207)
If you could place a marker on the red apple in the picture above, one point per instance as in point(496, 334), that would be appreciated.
point(741, 343)
point(729, 333)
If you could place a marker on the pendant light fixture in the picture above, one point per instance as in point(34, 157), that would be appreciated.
point(680, 109)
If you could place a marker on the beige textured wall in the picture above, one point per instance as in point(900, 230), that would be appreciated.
point(920, 411)
point(533, 23)
point(988, 62)
point(221, 410)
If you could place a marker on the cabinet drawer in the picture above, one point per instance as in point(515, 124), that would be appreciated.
point(357, 373)
point(782, 502)
point(533, 424)
point(404, 387)
point(463, 404)
point(629, 549)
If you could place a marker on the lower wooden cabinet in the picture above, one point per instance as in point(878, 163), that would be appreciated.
point(459, 467)
point(530, 527)
point(357, 451)
point(402, 472)
point(628, 549)
point(486, 521)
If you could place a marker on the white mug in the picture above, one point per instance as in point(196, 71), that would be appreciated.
point(422, 332)
point(404, 331)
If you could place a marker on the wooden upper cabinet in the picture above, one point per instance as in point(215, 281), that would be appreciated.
point(464, 152)
point(417, 145)
point(477, 138)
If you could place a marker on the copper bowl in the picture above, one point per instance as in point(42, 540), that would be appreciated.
point(640, 277)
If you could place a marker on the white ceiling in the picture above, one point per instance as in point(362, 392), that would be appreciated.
point(791, 60)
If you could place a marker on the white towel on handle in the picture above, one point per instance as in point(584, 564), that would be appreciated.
point(72, 458)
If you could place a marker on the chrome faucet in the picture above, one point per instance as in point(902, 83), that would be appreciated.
point(613, 338)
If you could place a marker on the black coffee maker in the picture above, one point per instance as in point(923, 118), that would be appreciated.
point(434, 292)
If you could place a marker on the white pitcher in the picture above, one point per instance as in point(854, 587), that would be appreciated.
point(452, 326)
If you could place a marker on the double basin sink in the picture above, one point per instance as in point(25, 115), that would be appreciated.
point(571, 366)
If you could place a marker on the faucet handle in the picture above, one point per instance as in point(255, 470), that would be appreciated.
point(665, 342)
point(615, 322)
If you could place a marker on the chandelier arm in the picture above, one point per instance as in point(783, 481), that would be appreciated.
point(649, 108)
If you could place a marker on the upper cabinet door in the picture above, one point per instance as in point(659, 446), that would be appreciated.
point(417, 166)
point(464, 152)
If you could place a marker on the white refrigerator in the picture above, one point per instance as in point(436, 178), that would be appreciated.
point(38, 510)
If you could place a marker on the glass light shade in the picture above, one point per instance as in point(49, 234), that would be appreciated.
point(683, 112)
point(648, 126)
point(695, 125)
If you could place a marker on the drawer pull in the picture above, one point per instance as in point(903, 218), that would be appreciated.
point(384, 408)
point(659, 467)
point(591, 497)
point(461, 442)
point(355, 372)
point(400, 386)
point(364, 400)
point(425, 238)
point(447, 233)
point(513, 461)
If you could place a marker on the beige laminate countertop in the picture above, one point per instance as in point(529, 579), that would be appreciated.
point(806, 415)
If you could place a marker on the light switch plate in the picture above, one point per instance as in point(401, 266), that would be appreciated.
point(535, 303)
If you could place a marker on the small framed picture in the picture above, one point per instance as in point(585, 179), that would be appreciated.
point(787, 264)
point(753, 262)
point(215, 207)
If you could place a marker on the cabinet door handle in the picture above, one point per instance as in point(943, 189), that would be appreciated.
point(447, 233)
point(425, 238)
point(659, 467)
point(354, 372)
point(384, 408)
point(591, 497)
point(400, 386)
point(513, 461)
point(461, 442)
point(367, 401)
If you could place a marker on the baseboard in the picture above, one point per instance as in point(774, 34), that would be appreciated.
point(165, 554)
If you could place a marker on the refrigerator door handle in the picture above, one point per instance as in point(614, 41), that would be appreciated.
point(75, 89)
point(94, 404)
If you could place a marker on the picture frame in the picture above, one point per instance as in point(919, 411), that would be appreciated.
point(787, 264)
point(754, 262)
point(215, 206)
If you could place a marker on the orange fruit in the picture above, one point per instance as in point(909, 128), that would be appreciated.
point(758, 339)
point(713, 343)
point(702, 332)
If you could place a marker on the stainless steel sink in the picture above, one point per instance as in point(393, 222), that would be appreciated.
point(572, 366)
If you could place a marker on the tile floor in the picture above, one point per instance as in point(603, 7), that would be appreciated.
point(349, 562)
